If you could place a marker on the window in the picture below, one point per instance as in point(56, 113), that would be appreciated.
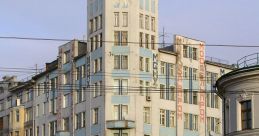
point(95, 65)
point(172, 119)
point(44, 107)
point(172, 93)
point(91, 25)
point(116, 38)
point(195, 122)
point(100, 22)
point(172, 70)
point(67, 78)
point(162, 117)
point(95, 92)
point(246, 115)
point(101, 39)
point(186, 121)
point(217, 126)
point(185, 51)
point(147, 22)
point(96, 24)
point(17, 115)
point(66, 57)
point(141, 21)
point(53, 128)
point(19, 96)
point(147, 89)
point(95, 116)
point(208, 99)
point(141, 87)
point(162, 67)
point(216, 102)
point(140, 39)
point(29, 95)
point(28, 114)
point(124, 64)
point(43, 129)
point(120, 112)
point(66, 101)
point(100, 64)
point(195, 71)
point(186, 95)
point(152, 42)
point(53, 105)
point(116, 112)
point(116, 19)
point(120, 86)
point(117, 62)
point(125, 19)
point(147, 115)
point(96, 41)
point(195, 97)
point(208, 75)
point(92, 44)
point(147, 41)
point(1, 105)
point(37, 110)
point(194, 53)
point(162, 91)
point(141, 63)
point(147, 65)
point(185, 72)
point(9, 102)
point(153, 24)
point(124, 38)
point(80, 120)
point(80, 95)
point(53, 83)
point(66, 124)
point(16, 133)
point(208, 124)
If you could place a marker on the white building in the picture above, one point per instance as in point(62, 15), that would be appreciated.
point(239, 89)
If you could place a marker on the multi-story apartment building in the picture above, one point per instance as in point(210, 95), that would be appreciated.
point(120, 83)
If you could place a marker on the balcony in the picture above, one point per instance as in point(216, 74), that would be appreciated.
point(249, 60)
point(120, 124)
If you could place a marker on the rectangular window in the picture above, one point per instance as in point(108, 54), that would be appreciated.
point(185, 51)
point(91, 26)
point(66, 124)
point(100, 22)
point(116, 112)
point(147, 22)
point(116, 38)
point(186, 95)
point(52, 128)
point(92, 44)
point(246, 115)
point(101, 39)
point(186, 121)
point(66, 101)
point(95, 65)
point(66, 57)
point(195, 97)
point(208, 99)
point(124, 38)
point(125, 19)
point(141, 63)
point(153, 24)
point(117, 62)
point(172, 70)
point(124, 63)
point(208, 75)
point(216, 102)
point(96, 41)
point(185, 72)
point(141, 87)
point(140, 39)
point(195, 122)
point(17, 115)
point(67, 78)
point(147, 41)
point(43, 129)
point(194, 53)
point(141, 21)
point(162, 117)
point(172, 119)
point(147, 65)
point(116, 19)
point(152, 42)
point(37, 110)
point(195, 73)
point(172, 93)
point(96, 24)
point(162, 91)
point(217, 126)
point(121, 86)
point(147, 88)
point(147, 115)
point(162, 68)
point(95, 116)
point(208, 124)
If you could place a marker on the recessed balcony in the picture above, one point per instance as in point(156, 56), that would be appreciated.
point(120, 124)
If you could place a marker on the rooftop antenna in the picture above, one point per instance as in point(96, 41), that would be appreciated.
point(164, 35)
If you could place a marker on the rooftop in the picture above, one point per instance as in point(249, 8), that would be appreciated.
point(248, 61)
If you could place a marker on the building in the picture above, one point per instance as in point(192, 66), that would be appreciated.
point(239, 91)
point(120, 83)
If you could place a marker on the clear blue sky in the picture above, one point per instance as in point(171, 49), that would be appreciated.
point(216, 22)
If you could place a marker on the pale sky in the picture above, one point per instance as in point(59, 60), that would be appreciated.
point(212, 21)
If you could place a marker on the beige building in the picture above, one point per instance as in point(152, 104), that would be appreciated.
point(239, 90)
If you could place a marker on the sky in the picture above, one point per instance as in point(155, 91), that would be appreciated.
point(215, 22)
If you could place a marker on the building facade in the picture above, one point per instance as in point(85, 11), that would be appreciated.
point(121, 83)
point(239, 90)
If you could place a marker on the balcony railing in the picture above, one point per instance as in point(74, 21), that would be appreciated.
point(249, 60)
point(120, 124)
